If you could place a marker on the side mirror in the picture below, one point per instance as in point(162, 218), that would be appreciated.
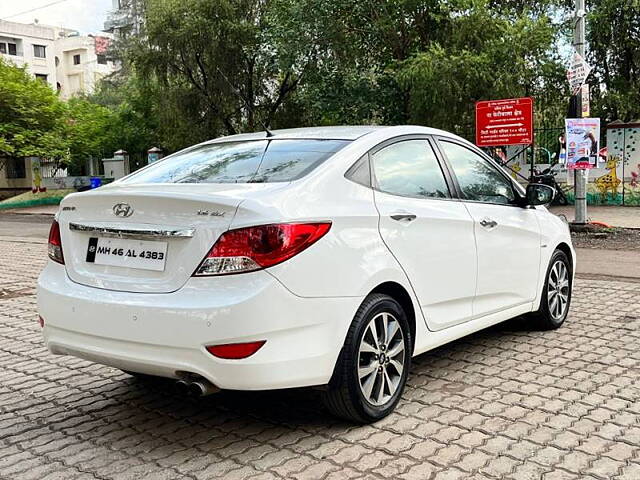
point(539, 194)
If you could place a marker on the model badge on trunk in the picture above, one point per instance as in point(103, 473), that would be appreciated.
point(213, 213)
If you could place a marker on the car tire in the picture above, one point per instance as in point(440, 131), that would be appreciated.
point(556, 293)
point(372, 368)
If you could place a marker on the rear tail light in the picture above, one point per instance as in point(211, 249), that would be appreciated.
point(54, 247)
point(252, 248)
point(41, 321)
point(235, 351)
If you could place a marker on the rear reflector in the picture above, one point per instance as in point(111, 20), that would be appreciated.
point(252, 248)
point(235, 351)
point(54, 247)
point(41, 320)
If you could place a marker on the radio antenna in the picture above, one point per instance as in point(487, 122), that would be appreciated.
point(269, 133)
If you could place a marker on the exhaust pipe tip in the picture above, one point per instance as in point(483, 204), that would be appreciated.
point(202, 388)
point(182, 387)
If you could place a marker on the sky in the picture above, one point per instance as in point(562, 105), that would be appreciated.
point(86, 16)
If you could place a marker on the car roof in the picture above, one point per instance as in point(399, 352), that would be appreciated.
point(346, 132)
point(315, 133)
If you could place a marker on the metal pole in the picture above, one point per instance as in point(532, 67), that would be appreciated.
point(580, 175)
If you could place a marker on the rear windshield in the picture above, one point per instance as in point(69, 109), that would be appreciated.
point(259, 161)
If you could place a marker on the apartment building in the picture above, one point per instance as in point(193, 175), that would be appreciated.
point(81, 62)
point(70, 63)
point(31, 45)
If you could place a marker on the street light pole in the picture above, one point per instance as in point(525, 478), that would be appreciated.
point(580, 178)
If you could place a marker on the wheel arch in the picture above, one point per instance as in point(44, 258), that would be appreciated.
point(566, 249)
point(402, 296)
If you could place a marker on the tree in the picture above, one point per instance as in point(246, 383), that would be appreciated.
point(35, 122)
point(88, 131)
point(30, 116)
point(214, 65)
point(490, 55)
point(424, 61)
point(614, 51)
point(136, 107)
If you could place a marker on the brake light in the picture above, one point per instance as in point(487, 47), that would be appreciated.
point(54, 247)
point(252, 248)
point(235, 351)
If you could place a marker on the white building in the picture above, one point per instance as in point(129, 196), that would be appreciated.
point(30, 45)
point(70, 63)
point(80, 63)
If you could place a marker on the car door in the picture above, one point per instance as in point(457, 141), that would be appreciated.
point(429, 232)
point(507, 235)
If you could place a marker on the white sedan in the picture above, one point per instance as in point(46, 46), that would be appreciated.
point(308, 257)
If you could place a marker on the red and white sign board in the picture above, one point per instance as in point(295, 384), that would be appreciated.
point(504, 122)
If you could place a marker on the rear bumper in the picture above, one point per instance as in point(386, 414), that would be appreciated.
point(166, 334)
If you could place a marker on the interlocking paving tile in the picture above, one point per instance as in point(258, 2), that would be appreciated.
point(508, 402)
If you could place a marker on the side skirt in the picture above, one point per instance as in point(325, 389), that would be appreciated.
point(436, 339)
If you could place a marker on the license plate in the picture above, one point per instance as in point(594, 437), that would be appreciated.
point(123, 252)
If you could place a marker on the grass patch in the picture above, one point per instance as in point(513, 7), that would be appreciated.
point(29, 199)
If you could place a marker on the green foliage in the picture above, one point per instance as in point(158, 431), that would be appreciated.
point(88, 130)
point(213, 67)
point(614, 46)
point(30, 115)
point(133, 124)
point(204, 68)
point(425, 62)
point(35, 122)
point(490, 56)
point(210, 67)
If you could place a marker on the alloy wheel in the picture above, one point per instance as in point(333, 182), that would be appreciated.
point(558, 290)
point(381, 359)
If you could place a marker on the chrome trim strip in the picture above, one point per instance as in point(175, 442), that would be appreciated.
point(132, 231)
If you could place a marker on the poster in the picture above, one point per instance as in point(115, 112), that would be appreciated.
point(578, 72)
point(583, 139)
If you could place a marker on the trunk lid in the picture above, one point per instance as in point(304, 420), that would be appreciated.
point(188, 218)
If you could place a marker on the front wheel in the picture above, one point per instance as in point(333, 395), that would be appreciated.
point(374, 363)
point(556, 296)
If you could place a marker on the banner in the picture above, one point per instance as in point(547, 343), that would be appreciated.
point(583, 142)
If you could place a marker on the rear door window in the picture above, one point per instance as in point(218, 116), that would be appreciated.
point(409, 168)
point(241, 162)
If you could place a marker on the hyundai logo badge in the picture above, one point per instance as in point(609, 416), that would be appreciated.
point(122, 210)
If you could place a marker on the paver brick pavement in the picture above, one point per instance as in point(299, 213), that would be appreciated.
point(508, 402)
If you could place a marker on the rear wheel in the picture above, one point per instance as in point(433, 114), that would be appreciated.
point(556, 296)
point(374, 363)
point(561, 198)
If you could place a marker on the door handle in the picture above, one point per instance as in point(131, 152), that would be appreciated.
point(403, 216)
point(488, 223)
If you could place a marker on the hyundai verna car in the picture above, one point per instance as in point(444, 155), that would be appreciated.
point(307, 257)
